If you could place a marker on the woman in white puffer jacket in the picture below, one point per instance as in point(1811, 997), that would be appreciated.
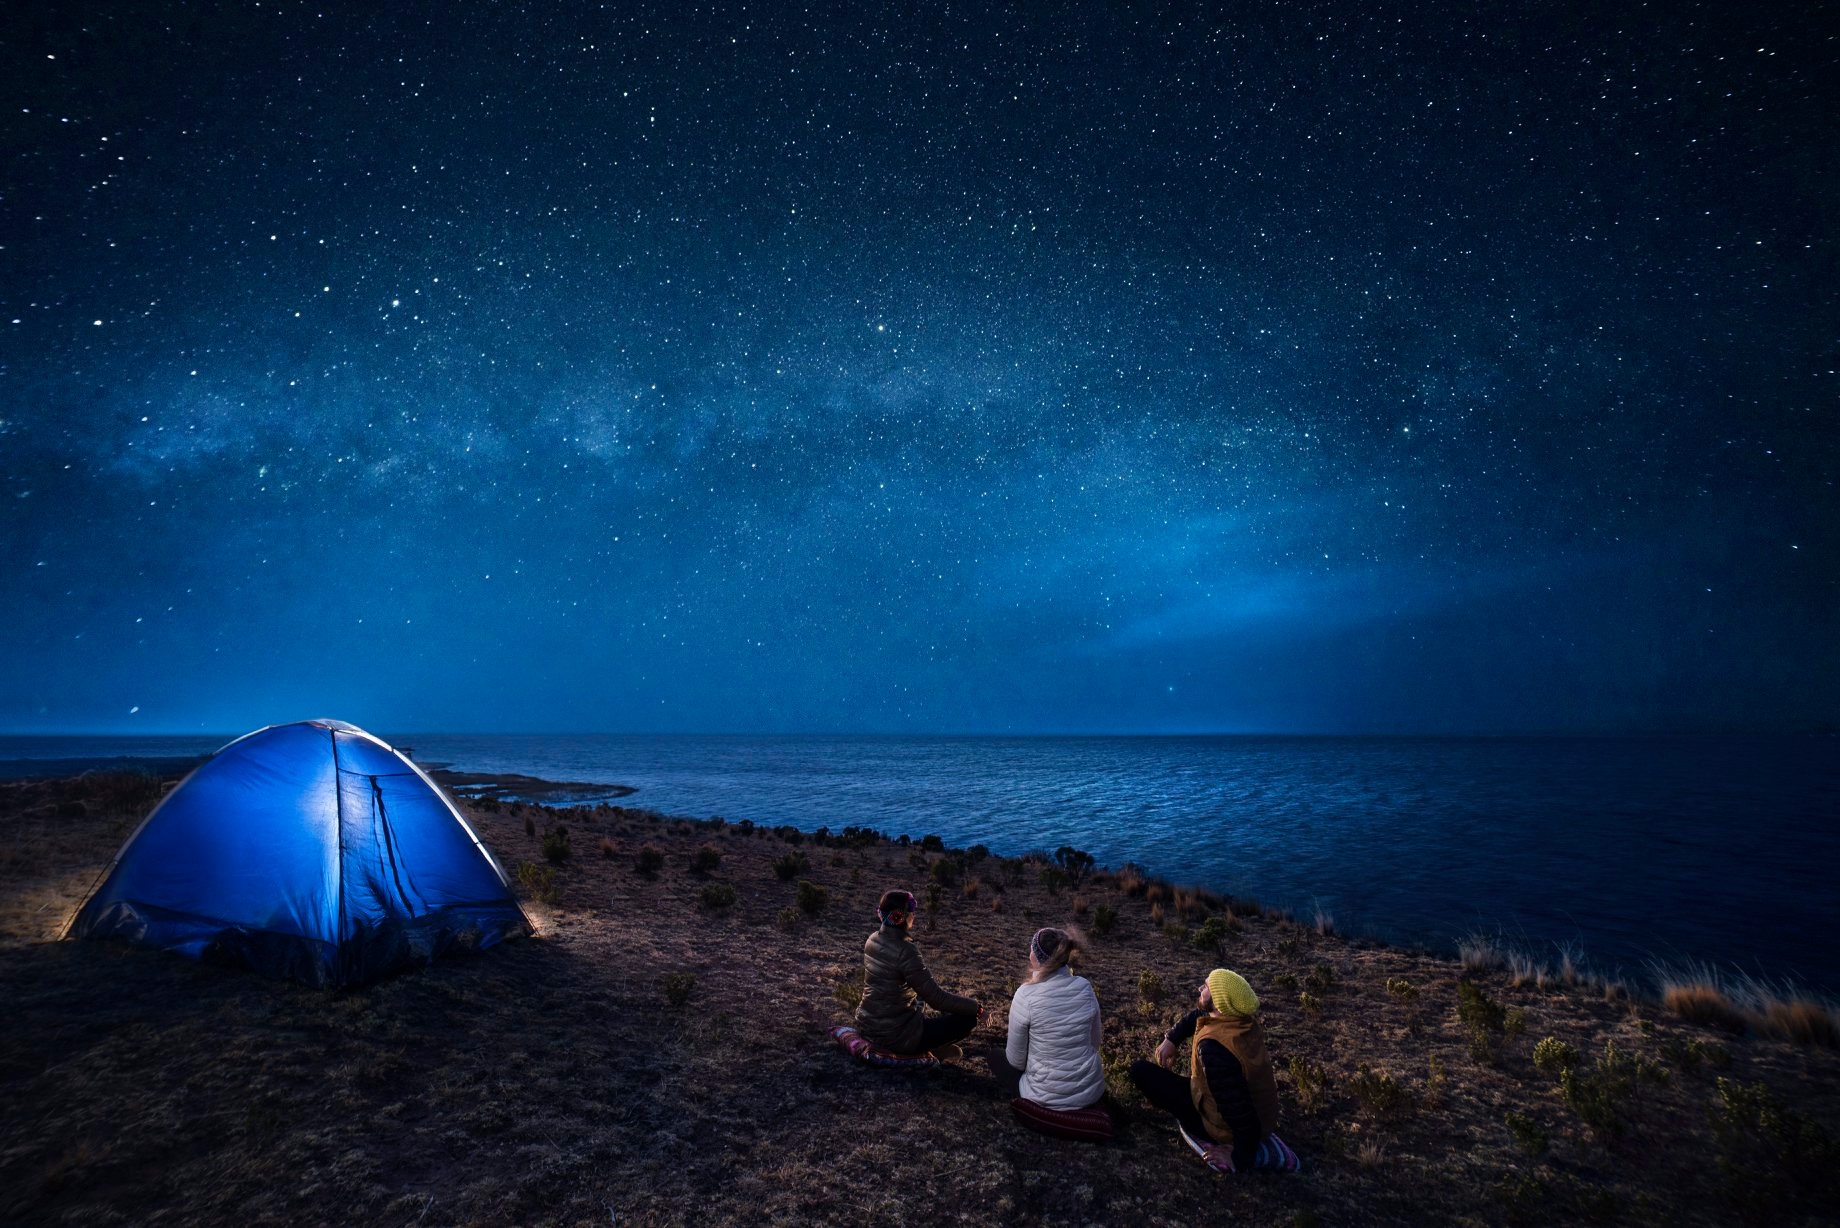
point(1054, 1028)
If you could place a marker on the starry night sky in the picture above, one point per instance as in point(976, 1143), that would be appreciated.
point(1279, 367)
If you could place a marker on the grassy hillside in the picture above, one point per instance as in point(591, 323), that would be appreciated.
point(658, 1054)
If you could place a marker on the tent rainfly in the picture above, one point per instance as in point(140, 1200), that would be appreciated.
point(313, 851)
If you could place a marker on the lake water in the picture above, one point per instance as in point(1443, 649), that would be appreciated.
point(1712, 849)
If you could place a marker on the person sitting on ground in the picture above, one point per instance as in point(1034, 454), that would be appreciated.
point(895, 982)
point(1054, 1030)
point(1228, 1106)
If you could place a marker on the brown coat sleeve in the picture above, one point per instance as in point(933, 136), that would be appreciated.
point(914, 969)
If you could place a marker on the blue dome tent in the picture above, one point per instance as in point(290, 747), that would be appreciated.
point(313, 851)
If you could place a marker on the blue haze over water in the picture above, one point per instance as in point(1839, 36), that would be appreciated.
point(1719, 849)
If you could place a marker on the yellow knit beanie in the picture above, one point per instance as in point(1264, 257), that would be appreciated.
point(1231, 994)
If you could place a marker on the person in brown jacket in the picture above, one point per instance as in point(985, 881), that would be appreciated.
point(1227, 1107)
point(895, 982)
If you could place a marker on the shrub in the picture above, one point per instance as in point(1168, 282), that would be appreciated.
point(1076, 862)
point(1774, 1161)
point(1553, 1056)
point(1379, 1092)
point(1104, 920)
point(944, 872)
point(861, 837)
point(788, 918)
point(1311, 1003)
point(607, 849)
point(1310, 1081)
point(1690, 1053)
point(678, 986)
point(1482, 1017)
point(932, 844)
point(1435, 1082)
point(1514, 1022)
point(717, 896)
point(1149, 986)
point(811, 897)
point(935, 894)
point(530, 825)
point(1526, 1132)
point(649, 861)
point(1286, 980)
point(1176, 932)
point(1321, 979)
point(1053, 878)
point(705, 859)
point(1600, 1093)
point(538, 882)
point(1132, 879)
point(790, 834)
point(1080, 905)
point(977, 853)
point(1212, 933)
point(1402, 989)
point(556, 845)
point(789, 866)
point(849, 991)
point(971, 888)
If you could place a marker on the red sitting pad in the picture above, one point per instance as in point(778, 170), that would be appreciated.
point(859, 1048)
point(1089, 1125)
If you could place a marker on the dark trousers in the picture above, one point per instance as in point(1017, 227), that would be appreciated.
point(941, 1030)
point(1009, 1079)
point(1170, 1092)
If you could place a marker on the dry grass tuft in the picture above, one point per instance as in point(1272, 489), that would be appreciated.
point(1801, 1020)
point(1703, 1003)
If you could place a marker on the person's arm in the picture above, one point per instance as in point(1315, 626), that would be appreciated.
point(1185, 1027)
point(1016, 1051)
point(1233, 1097)
point(930, 993)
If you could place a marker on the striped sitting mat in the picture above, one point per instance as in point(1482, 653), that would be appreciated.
point(1088, 1125)
point(1274, 1155)
point(858, 1047)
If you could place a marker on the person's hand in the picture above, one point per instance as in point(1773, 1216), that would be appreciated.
point(1166, 1054)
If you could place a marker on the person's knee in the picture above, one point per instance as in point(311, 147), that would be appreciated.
point(1141, 1071)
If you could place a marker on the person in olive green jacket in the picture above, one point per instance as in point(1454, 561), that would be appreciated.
point(896, 982)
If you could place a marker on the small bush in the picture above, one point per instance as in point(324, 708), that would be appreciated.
point(789, 866)
point(1104, 920)
point(1527, 1133)
point(1379, 1092)
point(849, 991)
point(935, 895)
point(556, 847)
point(1483, 1019)
point(811, 897)
point(1401, 989)
point(1054, 879)
point(1076, 862)
point(530, 825)
point(1436, 1081)
point(1774, 1161)
point(1285, 980)
point(1600, 1094)
point(1176, 932)
point(1149, 987)
point(1309, 1082)
point(1553, 1057)
point(971, 888)
point(538, 882)
point(717, 896)
point(1514, 1022)
point(1691, 1053)
point(1132, 880)
point(678, 987)
point(1080, 905)
point(1310, 1002)
point(788, 918)
point(608, 849)
point(705, 859)
point(649, 860)
point(944, 872)
point(1321, 979)
point(933, 844)
point(790, 834)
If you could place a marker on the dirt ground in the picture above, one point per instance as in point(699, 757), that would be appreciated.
point(554, 1081)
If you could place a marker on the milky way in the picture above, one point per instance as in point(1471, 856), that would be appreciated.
point(1253, 367)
